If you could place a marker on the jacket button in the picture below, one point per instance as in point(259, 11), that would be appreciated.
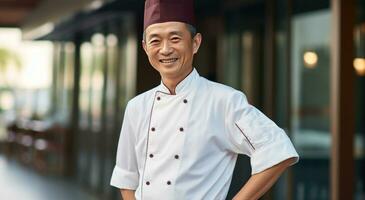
point(185, 101)
point(147, 183)
point(158, 98)
point(176, 156)
point(168, 182)
point(151, 155)
point(181, 129)
point(153, 129)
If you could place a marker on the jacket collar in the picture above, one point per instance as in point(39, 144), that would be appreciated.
point(186, 85)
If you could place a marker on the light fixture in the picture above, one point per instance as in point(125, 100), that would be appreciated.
point(98, 39)
point(94, 5)
point(359, 65)
point(310, 59)
point(111, 40)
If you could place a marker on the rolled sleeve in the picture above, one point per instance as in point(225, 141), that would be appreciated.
point(125, 174)
point(272, 154)
point(254, 134)
point(124, 179)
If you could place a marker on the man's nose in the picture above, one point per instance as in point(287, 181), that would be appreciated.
point(166, 48)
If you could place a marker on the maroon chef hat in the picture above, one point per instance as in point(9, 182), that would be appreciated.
point(159, 11)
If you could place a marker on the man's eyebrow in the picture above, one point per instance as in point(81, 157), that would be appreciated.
point(179, 33)
point(153, 35)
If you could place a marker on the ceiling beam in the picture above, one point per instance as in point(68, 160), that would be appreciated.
point(49, 13)
point(12, 12)
point(14, 5)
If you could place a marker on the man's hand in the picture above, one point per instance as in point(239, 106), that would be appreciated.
point(127, 194)
point(260, 183)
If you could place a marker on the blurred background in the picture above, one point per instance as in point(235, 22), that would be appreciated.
point(68, 68)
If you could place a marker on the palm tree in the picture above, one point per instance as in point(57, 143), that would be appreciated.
point(6, 58)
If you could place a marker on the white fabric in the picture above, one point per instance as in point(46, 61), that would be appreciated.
point(217, 124)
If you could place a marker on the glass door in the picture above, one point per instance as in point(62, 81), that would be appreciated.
point(359, 69)
point(310, 26)
point(242, 66)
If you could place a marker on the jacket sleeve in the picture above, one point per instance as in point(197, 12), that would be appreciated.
point(252, 133)
point(125, 174)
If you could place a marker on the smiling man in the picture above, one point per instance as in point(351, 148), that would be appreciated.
point(180, 140)
point(170, 47)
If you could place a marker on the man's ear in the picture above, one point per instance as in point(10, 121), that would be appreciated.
point(197, 40)
point(144, 46)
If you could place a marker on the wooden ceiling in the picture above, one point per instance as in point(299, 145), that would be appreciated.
point(13, 12)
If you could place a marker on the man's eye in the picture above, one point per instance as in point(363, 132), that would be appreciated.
point(175, 39)
point(154, 41)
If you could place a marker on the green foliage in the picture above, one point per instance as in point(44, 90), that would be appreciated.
point(6, 57)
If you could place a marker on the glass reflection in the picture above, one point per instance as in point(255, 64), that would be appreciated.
point(97, 79)
point(359, 68)
point(66, 80)
point(86, 61)
point(310, 103)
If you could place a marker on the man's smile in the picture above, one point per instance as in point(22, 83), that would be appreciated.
point(170, 60)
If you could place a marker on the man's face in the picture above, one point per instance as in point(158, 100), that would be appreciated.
point(170, 48)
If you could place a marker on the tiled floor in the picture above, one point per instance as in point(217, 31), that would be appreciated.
point(20, 183)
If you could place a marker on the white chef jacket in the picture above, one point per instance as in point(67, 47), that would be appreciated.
point(185, 146)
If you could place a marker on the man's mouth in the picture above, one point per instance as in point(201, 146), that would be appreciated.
point(170, 60)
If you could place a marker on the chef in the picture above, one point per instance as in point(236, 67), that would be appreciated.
point(180, 140)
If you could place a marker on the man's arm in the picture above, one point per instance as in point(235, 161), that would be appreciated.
point(127, 194)
point(260, 183)
point(125, 174)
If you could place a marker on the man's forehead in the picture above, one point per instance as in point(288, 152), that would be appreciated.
point(166, 28)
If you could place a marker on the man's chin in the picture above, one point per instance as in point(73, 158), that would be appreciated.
point(167, 69)
point(168, 66)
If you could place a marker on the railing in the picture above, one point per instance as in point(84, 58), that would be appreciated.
point(38, 144)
